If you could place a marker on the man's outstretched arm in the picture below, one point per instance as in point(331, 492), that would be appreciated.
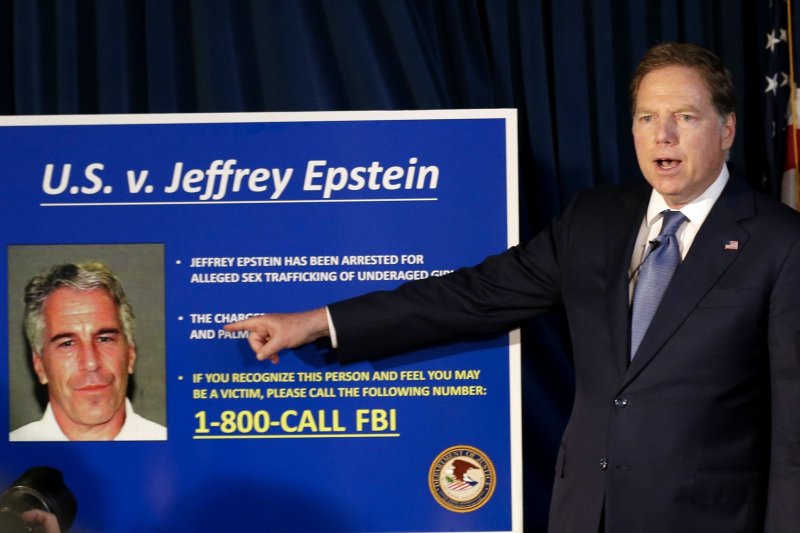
point(271, 333)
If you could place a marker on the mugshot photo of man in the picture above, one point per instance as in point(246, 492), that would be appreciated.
point(80, 328)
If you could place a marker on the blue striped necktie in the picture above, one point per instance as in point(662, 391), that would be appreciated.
point(654, 276)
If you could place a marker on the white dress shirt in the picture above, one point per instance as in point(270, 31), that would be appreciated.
point(695, 211)
point(136, 427)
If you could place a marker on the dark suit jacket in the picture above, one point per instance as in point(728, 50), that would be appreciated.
point(701, 432)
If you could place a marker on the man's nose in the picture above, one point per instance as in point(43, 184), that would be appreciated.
point(667, 132)
point(89, 358)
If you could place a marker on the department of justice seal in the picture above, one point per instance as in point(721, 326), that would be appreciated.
point(462, 479)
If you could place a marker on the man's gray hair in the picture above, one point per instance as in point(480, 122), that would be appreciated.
point(82, 277)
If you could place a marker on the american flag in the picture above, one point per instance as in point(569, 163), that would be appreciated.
point(781, 131)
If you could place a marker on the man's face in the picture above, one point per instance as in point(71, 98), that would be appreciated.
point(681, 141)
point(85, 359)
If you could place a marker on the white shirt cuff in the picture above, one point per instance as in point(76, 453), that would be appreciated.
point(331, 329)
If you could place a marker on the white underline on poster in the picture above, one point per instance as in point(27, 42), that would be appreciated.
point(304, 436)
point(229, 202)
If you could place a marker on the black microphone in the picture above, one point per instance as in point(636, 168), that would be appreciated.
point(654, 244)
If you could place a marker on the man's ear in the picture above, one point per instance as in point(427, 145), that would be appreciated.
point(38, 367)
point(131, 358)
point(728, 131)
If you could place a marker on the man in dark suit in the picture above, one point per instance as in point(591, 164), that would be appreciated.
point(687, 404)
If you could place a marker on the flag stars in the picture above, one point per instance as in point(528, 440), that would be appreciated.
point(772, 84)
point(773, 39)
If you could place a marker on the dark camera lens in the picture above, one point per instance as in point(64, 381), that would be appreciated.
point(40, 488)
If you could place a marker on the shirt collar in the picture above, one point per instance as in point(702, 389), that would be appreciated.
point(50, 422)
point(697, 210)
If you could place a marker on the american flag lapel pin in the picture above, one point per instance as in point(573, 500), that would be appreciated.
point(732, 245)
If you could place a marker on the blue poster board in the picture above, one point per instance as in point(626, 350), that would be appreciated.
point(207, 219)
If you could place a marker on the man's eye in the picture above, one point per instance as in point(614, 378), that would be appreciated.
point(646, 118)
point(105, 338)
point(66, 344)
point(686, 118)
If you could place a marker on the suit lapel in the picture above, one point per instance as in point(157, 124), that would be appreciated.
point(620, 238)
point(706, 261)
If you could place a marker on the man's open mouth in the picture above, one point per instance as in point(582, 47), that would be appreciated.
point(667, 164)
